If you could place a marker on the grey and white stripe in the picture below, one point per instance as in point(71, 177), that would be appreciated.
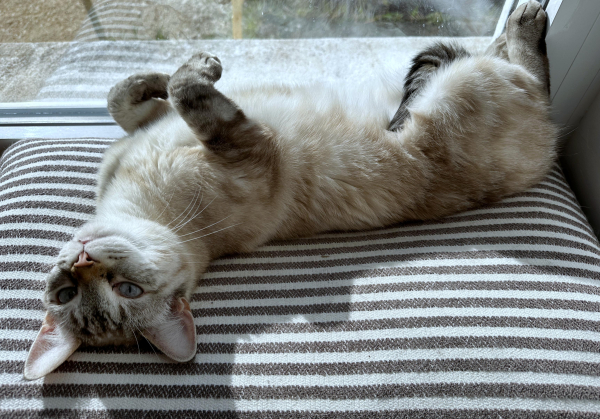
point(489, 313)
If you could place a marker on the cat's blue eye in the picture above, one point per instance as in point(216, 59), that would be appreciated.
point(66, 294)
point(129, 290)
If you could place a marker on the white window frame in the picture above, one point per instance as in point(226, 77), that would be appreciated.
point(573, 41)
point(55, 120)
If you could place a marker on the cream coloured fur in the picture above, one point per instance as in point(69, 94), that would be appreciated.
point(200, 177)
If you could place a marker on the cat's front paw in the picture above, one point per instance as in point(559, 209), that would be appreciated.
point(138, 88)
point(139, 100)
point(527, 23)
point(202, 67)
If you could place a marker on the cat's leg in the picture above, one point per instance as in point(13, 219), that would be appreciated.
point(218, 122)
point(498, 48)
point(139, 100)
point(423, 67)
point(525, 41)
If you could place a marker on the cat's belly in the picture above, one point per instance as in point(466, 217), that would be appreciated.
point(168, 133)
point(285, 108)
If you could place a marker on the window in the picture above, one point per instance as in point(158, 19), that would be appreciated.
point(60, 57)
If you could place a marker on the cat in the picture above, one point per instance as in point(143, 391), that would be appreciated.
point(201, 175)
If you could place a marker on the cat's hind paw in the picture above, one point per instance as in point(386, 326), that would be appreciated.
point(527, 23)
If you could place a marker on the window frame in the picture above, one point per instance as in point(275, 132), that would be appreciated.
point(573, 55)
point(574, 59)
point(21, 120)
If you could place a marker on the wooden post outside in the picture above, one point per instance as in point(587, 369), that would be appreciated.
point(237, 18)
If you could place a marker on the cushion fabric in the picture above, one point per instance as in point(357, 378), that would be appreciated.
point(488, 313)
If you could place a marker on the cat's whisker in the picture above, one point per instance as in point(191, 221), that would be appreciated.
point(150, 343)
point(137, 343)
point(196, 204)
point(187, 215)
point(212, 200)
point(204, 228)
point(182, 212)
point(563, 134)
point(176, 229)
point(167, 206)
point(196, 214)
point(183, 215)
point(205, 235)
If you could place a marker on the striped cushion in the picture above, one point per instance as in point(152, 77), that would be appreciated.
point(492, 312)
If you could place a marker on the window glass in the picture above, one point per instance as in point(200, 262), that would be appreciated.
point(62, 50)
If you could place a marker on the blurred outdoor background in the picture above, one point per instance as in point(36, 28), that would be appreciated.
point(68, 20)
point(65, 50)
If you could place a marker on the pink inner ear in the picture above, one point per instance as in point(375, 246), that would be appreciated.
point(177, 336)
point(52, 346)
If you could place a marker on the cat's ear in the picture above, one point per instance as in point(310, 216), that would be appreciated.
point(52, 346)
point(177, 336)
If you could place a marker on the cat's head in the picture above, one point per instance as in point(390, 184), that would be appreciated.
point(115, 280)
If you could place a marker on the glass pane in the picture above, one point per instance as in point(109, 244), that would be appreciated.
point(75, 49)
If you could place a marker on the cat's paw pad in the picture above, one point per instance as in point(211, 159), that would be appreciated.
point(527, 22)
point(139, 88)
point(203, 67)
point(150, 86)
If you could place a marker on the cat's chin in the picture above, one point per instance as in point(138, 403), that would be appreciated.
point(126, 234)
point(93, 232)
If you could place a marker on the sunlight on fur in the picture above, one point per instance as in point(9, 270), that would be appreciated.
point(203, 174)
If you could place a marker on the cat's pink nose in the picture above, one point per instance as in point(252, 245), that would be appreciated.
point(84, 260)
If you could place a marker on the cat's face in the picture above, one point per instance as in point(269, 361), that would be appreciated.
point(106, 287)
point(114, 281)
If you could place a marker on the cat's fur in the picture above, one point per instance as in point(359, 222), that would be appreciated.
point(201, 175)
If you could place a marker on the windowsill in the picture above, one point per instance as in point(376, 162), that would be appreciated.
point(79, 75)
point(85, 71)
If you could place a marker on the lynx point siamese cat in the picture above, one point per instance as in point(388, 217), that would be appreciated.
point(201, 175)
